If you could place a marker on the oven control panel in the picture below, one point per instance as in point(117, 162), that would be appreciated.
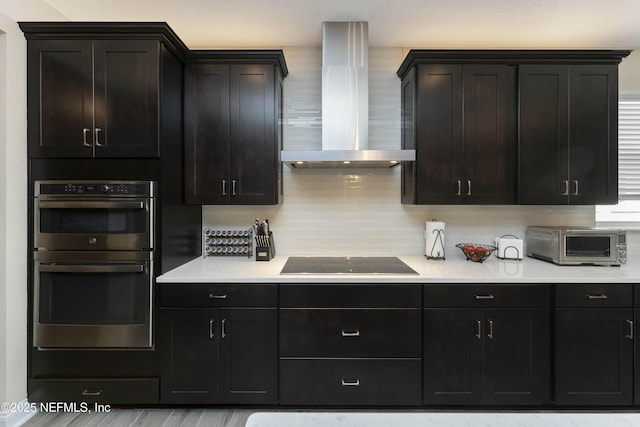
point(97, 188)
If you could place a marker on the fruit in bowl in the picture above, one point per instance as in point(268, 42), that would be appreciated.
point(476, 252)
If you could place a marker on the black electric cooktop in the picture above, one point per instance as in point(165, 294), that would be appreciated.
point(346, 265)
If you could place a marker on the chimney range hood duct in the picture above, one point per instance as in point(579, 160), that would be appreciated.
point(345, 104)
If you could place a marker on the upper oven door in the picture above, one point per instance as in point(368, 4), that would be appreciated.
point(121, 224)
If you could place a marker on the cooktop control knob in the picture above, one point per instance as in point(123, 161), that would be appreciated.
point(105, 189)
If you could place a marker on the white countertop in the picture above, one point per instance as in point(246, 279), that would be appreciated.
point(455, 269)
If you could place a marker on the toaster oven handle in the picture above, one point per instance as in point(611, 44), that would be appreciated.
point(57, 268)
point(90, 205)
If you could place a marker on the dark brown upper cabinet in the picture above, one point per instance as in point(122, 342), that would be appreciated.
point(96, 90)
point(510, 126)
point(461, 120)
point(233, 119)
point(569, 134)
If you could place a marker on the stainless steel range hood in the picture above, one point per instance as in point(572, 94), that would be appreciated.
point(345, 104)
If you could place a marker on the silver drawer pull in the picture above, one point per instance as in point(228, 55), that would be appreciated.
point(484, 296)
point(351, 383)
point(600, 296)
point(88, 392)
point(356, 333)
point(214, 296)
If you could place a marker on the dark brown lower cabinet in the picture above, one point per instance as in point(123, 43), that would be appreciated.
point(350, 344)
point(218, 355)
point(594, 356)
point(486, 356)
point(350, 381)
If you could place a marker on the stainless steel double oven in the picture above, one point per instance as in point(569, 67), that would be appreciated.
point(93, 264)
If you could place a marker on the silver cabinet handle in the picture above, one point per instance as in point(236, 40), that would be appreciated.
point(223, 332)
point(490, 334)
point(98, 131)
point(224, 187)
point(220, 296)
point(351, 334)
point(88, 392)
point(577, 190)
point(350, 382)
point(566, 188)
point(233, 188)
point(459, 192)
point(479, 329)
point(85, 140)
point(211, 334)
point(630, 323)
point(468, 187)
point(484, 296)
point(599, 296)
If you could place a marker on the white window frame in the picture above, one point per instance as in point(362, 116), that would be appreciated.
point(626, 214)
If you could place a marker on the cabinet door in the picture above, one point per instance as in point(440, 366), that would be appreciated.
point(452, 357)
point(439, 134)
point(594, 357)
point(593, 170)
point(408, 135)
point(489, 134)
point(206, 110)
point(517, 357)
point(126, 98)
point(188, 342)
point(544, 123)
point(254, 151)
point(248, 355)
point(60, 98)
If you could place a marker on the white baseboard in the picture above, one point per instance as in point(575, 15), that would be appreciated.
point(15, 419)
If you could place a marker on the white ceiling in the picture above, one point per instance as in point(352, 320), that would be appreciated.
point(396, 23)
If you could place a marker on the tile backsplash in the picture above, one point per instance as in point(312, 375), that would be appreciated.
point(358, 212)
point(341, 212)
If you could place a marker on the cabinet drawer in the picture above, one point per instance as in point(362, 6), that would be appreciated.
point(350, 296)
point(479, 296)
point(350, 333)
point(350, 382)
point(134, 391)
point(594, 295)
point(213, 295)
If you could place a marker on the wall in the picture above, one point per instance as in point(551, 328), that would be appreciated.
point(13, 289)
point(13, 201)
point(341, 212)
point(629, 73)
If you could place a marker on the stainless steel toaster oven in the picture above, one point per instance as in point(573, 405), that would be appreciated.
point(577, 245)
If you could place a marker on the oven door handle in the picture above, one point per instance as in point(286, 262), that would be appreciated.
point(91, 205)
point(57, 268)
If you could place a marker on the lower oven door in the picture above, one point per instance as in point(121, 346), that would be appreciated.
point(92, 299)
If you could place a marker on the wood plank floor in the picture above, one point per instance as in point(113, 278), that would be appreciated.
point(145, 417)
